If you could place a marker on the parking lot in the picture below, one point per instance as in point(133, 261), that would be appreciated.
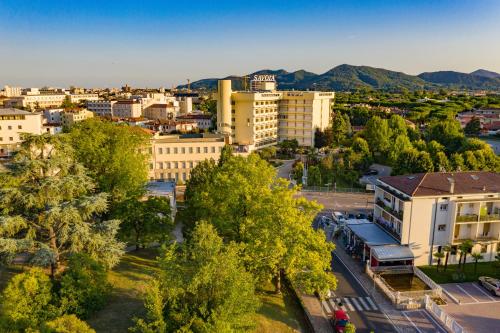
point(473, 307)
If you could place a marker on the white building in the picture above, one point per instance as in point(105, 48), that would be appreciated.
point(12, 91)
point(430, 210)
point(127, 109)
point(13, 123)
point(101, 108)
point(203, 121)
point(164, 111)
point(77, 98)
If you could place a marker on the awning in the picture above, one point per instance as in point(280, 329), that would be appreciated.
point(392, 253)
point(371, 234)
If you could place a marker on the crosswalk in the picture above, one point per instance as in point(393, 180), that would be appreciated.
point(348, 304)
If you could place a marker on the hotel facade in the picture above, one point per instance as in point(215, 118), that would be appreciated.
point(428, 211)
point(263, 116)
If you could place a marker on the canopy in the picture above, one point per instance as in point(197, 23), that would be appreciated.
point(371, 234)
point(392, 253)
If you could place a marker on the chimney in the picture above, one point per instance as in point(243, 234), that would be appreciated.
point(452, 185)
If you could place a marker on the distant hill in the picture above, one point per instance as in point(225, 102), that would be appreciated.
point(462, 80)
point(348, 77)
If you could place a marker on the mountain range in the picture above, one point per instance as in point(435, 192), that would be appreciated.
point(348, 77)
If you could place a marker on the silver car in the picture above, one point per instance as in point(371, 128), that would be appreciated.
point(492, 284)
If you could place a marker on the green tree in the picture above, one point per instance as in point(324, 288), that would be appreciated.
point(67, 104)
point(359, 145)
point(154, 302)
point(27, 301)
point(144, 221)
point(397, 124)
point(66, 324)
point(457, 162)
point(50, 208)
point(446, 250)
point(84, 287)
point(298, 171)
point(115, 156)
point(439, 256)
point(401, 143)
point(477, 256)
point(424, 162)
point(204, 286)
point(378, 134)
point(447, 132)
point(473, 127)
point(340, 128)
point(313, 176)
point(441, 162)
point(465, 247)
point(470, 161)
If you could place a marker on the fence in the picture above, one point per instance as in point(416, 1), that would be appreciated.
point(442, 316)
point(428, 281)
point(333, 189)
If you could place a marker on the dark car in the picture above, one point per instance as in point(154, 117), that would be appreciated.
point(361, 216)
point(371, 172)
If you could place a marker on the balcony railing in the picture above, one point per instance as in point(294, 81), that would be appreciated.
point(467, 218)
point(489, 217)
point(391, 211)
point(387, 227)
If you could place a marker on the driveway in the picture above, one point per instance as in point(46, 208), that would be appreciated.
point(473, 307)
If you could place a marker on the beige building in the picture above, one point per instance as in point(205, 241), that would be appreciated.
point(101, 108)
point(163, 111)
point(68, 118)
point(428, 211)
point(36, 101)
point(77, 98)
point(174, 156)
point(127, 109)
point(13, 123)
point(264, 116)
point(12, 91)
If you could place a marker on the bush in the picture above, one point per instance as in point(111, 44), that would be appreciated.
point(66, 324)
point(84, 286)
point(27, 301)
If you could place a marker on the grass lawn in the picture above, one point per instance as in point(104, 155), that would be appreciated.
point(483, 268)
point(128, 280)
point(279, 313)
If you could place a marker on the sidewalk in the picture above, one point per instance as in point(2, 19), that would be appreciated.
point(315, 313)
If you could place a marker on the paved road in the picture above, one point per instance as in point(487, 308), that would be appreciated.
point(359, 202)
point(285, 170)
point(363, 311)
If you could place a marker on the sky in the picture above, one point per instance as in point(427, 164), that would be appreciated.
point(163, 43)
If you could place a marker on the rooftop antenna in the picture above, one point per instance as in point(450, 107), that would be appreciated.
point(245, 82)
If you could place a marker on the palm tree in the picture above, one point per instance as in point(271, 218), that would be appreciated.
point(439, 256)
point(477, 256)
point(465, 248)
point(447, 250)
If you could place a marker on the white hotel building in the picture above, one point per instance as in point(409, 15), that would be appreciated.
point(430, 210)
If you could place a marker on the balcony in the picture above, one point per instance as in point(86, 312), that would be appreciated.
point(382, 204)
point(489, 217)
point(388, 228)
point(467, 218)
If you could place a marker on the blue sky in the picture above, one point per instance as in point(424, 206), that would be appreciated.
point(162, 43)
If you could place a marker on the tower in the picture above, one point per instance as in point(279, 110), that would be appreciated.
point(224, 107)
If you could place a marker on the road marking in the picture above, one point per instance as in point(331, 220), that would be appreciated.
point(333, 305)
point(339, 301)
point(326, 306)
point(434, 321)
point(465, 291)
point(362, 301)
point(356, 304)
point(369, 300)
point(349, 305)
point(481, 290)
point(411, 322)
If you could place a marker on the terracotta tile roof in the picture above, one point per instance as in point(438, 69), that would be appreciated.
point(438, 183)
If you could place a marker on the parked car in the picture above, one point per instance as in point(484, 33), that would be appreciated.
point(338, 217)
point(371, 172)
point(492, 284)
point(361, 216)
point(339, 321)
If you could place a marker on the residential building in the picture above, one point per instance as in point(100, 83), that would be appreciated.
point(68, 118)
point(78, 98)
point(53, 116)
point(13, 123)
point(127, 109)
point(101, 108)
point(163, 111)
point(36, 101)
point(12, 91)
point(264, 116)
point(489, 119)
point(203, 121)
point(427, 211)
point(169, 126)
point(174, 156)
point(185, 105)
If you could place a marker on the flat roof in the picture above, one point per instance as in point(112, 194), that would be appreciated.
point(371, 234)
point(14, 112)
point(392, 252)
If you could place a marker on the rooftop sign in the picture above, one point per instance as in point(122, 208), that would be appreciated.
point(264, 78)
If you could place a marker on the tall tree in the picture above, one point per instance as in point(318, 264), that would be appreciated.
point(204, 287)
point(340, 128)
point(473, 127)
point(378, 134)
point(398, 126)
point(50, 208)
point(114, 154)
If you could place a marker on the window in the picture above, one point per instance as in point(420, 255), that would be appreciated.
point(191, 164)
point(205, 150)
point(442, 227)
point(150, 166)
point(190, 150)
point(198, 150)
point(183, 150)
point(183, 165)
point(19, 127)
point(175, 150)
point(160, 151)
point(9, 127)
point(11, 139)
point(484, 248)
point(213, 149)
point(443, 207)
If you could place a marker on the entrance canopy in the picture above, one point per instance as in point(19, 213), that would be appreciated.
point(392, 253)
point(371, 234)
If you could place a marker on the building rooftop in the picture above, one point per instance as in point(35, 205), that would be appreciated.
point(371, 234)
point(195, 116)
point(13, 112)
point(439, 183)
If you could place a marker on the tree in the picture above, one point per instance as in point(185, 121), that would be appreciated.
point(457, 162)
point(289, 146)
point(350, 328)
point(401, 143)
point(313, 176)
point(340, 128)
point(27, 301)
point(447, 132)
point(441, 162)
point(465, 247)
point(424, 162)
point(378, 134)
point(115, 156)
point(438, 256)
point(359, 145)
point(50, 208)
point(154, 302)
point(470, 161)
point(84, 287)
point(66, 324)
point(473, 127)
point(247, 203)
point(477, 256)
point(397, 124)
point(144, 221)
point(447, 250)
point(67, 104)
point(204, 287)
point(298, 171)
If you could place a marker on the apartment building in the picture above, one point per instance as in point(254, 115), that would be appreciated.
point(78, 98)
point(101, 108)
point(161, 111)
point(263, 116)
point(169, 126)
point(12, 91)
point(203, 121)
point(174, 156)
point(127, 109)
point(13, 123)
point(68, 118)
point(36, 101)
point(430, 210)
